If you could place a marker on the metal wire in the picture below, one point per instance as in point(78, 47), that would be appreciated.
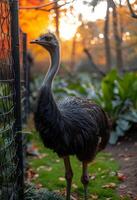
point(9, 148)
point(8, 158)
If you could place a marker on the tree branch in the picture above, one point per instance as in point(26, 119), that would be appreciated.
point(42, 7)
point(133, 14)
point(36, 7)
point(86, 51)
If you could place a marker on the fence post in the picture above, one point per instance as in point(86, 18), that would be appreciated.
point(18, 123)
point(26, 78)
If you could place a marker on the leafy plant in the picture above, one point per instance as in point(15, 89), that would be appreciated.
point(32, 193)
point(118, 96)
point(116, 93)
point(72, 85)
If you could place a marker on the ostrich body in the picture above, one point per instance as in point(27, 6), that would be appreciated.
point(74, 126)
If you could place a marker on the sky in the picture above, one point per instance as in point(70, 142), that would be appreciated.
point(86, 11)
point(69, 24)
point(99, 12)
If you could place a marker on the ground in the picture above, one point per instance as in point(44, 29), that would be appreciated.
point(47, 170)
point(125, 152)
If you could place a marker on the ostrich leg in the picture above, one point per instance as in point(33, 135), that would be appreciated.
point(85, 179)
point(68, 175)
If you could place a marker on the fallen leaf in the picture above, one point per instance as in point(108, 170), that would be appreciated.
point(32, 150)
point(130, 193)
point(111, 159)
point(42, 155)
point(38, 185)
point(122, 186)
point(40, 168)
point(57, 160)
point(74, 186)
point(121, 176)
point(103, 176)
point(48, 169)
point(112, 173)
point(61, 178)
point(31, 174)
point(127, 159)
point(109, 185)
point(99, 169)
point(35, 176)
point(73, 198)
point(94, 196)
point(93, 177)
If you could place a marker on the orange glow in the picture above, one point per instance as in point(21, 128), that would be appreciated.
point(67, 31)
point(33, 22)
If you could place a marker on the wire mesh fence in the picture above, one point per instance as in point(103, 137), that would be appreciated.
point(11, 151)
point(8, 158)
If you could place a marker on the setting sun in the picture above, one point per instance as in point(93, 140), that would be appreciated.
point(67, 30)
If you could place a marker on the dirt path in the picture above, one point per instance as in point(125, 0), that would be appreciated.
point(125, 152)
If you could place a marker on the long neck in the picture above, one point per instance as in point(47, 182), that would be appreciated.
point(47, 110)
point(55, 60)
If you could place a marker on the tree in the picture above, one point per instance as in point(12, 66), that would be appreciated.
point(118, 39)
point(94, 3)
point(56, 18)
point(133, 14)
point(106, 38)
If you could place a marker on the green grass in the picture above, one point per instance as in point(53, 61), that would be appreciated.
point(50, 170)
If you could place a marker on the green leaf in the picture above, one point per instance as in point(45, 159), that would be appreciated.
point(119, 131)
point(113, 138)
point(122, 124)
point(130, 116)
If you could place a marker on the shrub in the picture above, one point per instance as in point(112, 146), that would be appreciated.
point(118, 96)
point(116, 93)
point(32, 193)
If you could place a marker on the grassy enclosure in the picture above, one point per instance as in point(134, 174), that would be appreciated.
point(49, 172)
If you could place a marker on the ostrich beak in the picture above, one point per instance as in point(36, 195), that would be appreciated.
point(34, 41)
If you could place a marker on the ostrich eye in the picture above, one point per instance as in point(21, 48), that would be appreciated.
point(48, 38)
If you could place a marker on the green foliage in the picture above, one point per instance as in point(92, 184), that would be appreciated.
point(118, 96)
point(32, 193)
point(72, 85)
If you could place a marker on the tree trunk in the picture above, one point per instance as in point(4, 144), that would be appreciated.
point(121, 22)
point(73, 52)
point(118, 41)
point(57, 18)
point(95, 67)
point(121, 26)
point(106, 39)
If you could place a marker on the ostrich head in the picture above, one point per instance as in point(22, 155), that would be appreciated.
point(48, 41)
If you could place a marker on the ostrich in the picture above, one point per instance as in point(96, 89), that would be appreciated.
point(74, 126)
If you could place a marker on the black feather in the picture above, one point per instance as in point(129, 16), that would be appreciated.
point(74, 126)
